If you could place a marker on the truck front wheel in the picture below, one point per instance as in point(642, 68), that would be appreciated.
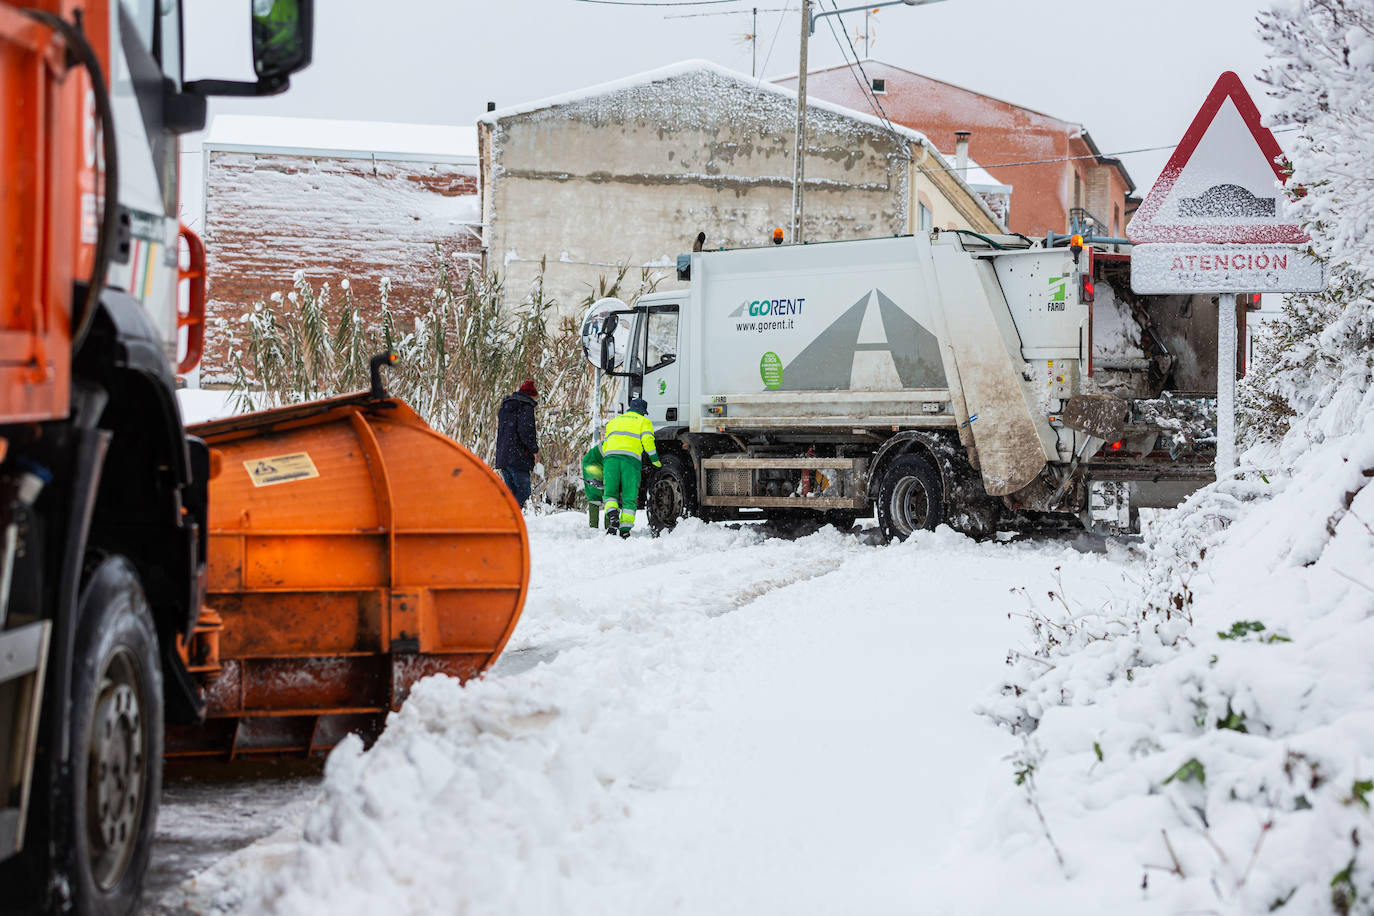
point(672, 494)
point(116, 739)
point(910, 497)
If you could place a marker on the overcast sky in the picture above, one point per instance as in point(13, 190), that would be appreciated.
point(1133, 72)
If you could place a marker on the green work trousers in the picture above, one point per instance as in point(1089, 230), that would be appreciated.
point(622, 488)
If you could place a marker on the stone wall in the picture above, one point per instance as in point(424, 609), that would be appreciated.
point(631, 175)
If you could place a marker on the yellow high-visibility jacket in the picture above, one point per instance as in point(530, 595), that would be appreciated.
point(630, 435)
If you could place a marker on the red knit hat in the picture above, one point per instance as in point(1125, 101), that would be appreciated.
point(527, 387)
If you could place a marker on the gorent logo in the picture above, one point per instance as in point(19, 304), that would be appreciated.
point(758, 308)
point(776, 306)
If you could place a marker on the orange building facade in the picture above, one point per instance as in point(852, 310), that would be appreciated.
point(1008, 141)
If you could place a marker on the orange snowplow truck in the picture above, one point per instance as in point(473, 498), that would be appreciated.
point(102, 493)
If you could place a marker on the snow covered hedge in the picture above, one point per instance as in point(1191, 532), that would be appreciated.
point(1206, 743)
point(470, 345)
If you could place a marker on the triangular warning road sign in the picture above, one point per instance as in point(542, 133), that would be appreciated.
point(1222, 183)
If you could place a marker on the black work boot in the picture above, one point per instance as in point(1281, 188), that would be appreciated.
point(612, 520)
point(624, 532)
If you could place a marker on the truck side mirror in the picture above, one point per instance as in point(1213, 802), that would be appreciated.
point(282, 38)
point(608, 354)
point(283, 42)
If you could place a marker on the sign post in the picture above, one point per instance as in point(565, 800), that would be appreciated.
point(1214, 223)
point(1226, 383)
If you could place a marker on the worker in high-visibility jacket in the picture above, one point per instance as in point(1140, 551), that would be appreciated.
point(629, 437)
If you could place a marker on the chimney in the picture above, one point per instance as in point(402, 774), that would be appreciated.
point(491, 106)
point(961, 152)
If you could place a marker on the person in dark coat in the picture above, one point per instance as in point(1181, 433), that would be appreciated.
point(517, 447)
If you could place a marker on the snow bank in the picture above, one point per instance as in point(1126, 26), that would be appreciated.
point(1206, 749)
point(734, 723)
point(1209, 747)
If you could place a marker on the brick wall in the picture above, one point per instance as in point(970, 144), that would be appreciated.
point(1002, 133)
point(269, 214)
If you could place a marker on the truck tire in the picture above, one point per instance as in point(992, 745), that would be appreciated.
point(671, 494)
point(115, 726)
point(910, 497)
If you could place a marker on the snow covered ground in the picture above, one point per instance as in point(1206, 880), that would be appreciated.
point(715, 721)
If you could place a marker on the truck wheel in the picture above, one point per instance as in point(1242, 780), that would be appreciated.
point(910, 497)
point(116, 740)
point(672, 494)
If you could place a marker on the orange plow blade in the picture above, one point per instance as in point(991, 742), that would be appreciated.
point(352, 550)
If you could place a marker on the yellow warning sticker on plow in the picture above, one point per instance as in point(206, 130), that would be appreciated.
point(281, 469)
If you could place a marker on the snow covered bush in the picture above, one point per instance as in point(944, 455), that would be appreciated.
point(1206, 743)
point(1314, 368)
point(468, 347)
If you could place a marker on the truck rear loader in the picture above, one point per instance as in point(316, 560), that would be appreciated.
point(347, 549)
point(947, 377)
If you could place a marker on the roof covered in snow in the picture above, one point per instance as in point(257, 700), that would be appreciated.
point(684, 68)
point(344, 139)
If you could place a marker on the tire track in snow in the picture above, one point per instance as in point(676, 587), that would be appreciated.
point(647, 585)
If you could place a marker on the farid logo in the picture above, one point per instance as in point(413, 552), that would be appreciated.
point(1059, 287)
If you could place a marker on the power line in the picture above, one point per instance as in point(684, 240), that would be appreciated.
point(664, 3)
point(1116, 155)
point(746, 12)
point(772, 44)
point(864, 84)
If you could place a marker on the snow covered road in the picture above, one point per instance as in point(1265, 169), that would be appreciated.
point(718, 721)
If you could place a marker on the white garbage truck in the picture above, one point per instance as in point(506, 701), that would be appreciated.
point(947, 377)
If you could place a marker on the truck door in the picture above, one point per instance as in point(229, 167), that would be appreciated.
point(656, 347)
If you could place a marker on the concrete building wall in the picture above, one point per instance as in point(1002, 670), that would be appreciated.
point(630, 175)
point(952, 206)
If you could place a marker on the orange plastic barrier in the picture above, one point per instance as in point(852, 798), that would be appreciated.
point(352, 551)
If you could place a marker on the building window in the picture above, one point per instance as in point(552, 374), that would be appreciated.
point(923, 220)
point(879, 85)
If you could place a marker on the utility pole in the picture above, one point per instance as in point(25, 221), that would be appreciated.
point(798, 165)
point(754, 45)
point(799, 169)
